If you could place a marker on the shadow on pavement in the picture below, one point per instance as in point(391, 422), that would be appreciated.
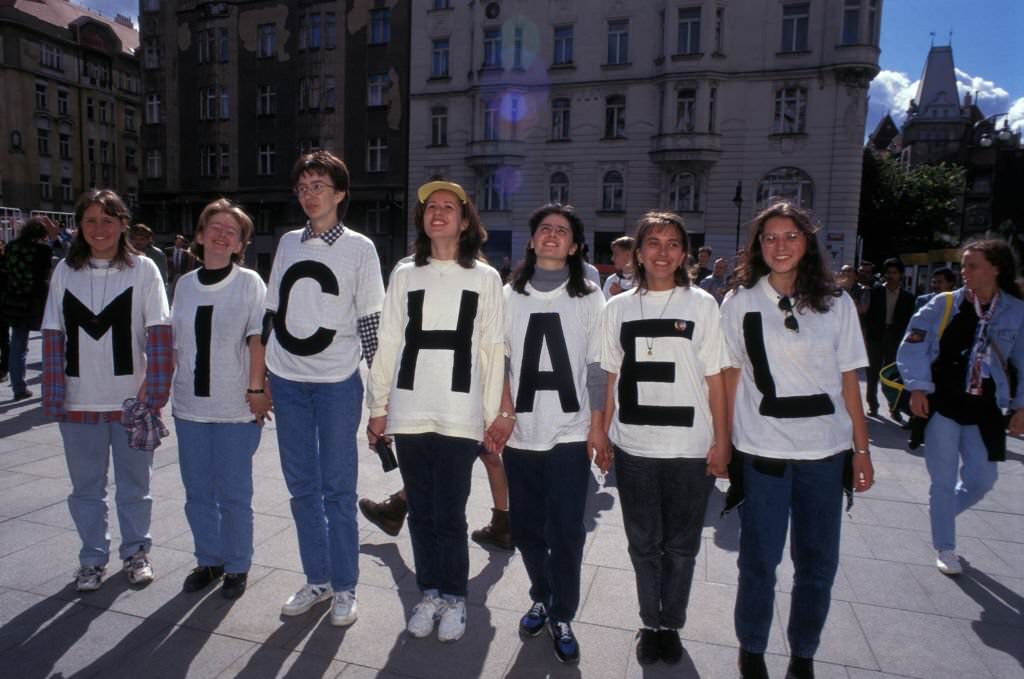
point(1002, 617)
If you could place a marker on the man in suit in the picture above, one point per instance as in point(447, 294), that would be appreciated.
point(179, 261)
point(885, 322)
point(943, 280)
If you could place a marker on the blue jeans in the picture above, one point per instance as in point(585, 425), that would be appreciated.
point(216, 468)
point(547, 492)
point(17, 359)
point(437, 471)
point(663, 505)
point(316, 436)
point(810, 494)
point(954, 489)
point(88, 449)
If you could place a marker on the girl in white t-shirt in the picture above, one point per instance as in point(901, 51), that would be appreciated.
point(106, 339)
point(219, 396)
point(435, 385)
point(666, 405)
point(794, 350)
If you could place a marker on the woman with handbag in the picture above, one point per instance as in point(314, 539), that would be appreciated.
point(962, 379)
point(27, 265)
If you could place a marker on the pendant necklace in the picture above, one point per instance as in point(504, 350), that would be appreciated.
point(103, 298)
point(649, 341)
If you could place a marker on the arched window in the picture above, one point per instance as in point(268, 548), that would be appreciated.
point(684, 192)
point(559, 188)
point(786, 183)
point(612, 192)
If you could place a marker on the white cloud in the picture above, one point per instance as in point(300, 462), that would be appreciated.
point(983, 90)
point(1016, 115)
point(891, 91)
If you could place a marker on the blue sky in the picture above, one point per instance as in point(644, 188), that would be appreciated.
point(986, 48)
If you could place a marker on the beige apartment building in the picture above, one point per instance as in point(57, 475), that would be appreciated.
point(706, 107)
point(71, 109)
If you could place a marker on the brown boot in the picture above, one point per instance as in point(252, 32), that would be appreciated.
point(388, 515)
point(495, 533)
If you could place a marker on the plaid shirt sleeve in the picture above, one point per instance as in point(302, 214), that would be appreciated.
point(159, 365)
point(53, 374)
point(368, 326)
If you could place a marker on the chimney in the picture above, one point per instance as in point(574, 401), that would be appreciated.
point(124, 20)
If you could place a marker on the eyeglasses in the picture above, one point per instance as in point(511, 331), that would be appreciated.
point(786, 307)
point(315, 189)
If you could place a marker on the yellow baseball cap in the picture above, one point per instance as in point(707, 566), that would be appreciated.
point(441, 185)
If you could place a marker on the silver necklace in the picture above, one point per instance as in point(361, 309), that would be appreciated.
point(649, 341)
point(103, 297)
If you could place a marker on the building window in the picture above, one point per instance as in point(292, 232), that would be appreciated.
point(267, 40)
point(90, 109)
point(222, 45)
point(62, 102)
point(376, 90)
point(786, 183)
point(64, 142)
point(207, 103)
point(615, 117)
point(380, 26)
point(151, 54)
point(309, 94)
point(225, 161)
point(45, 188)
point(689, 31)
point(91, 150)
point(683, 193)
point(563, 45)
point(492, 48)
point(618, 41)
point(330, 30)
point(790, 110)
point(129, 118)
point(41, 102)
point(150, 5)
point(51, 57)
point(328, 100)
point(794, 27)
point(266, 100)
point(872, 22)
point(439, 59)
point(265, 160)
point(719, 30)
point(712, 108)
point(66, 193)
point(686, 110)
point(851, 22)
point(376, 217)
point(495, 192)
point(154, 165)
point(129, 158)
point(152, 108)
point(442, 4)
point(225, 103)
point(104, 152)
point(314, 32)
point(561, 113)
point(207, 45)
point(376, 154)
point(104, 109)
point(559, 188)
point(308, 145)
point(43, 141)
point(517, 47)
point(612, 192)
point(439, 126)
point(490, 127)
point(208, 161)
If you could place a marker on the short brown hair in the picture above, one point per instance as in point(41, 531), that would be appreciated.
point(648, 223)
point(325, 163)
point(225, 206)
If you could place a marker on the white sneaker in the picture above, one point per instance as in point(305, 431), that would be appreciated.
point(421, 624)
point(948, 563)
point(138, 568)
point(344, 610)
point(89, 578)
point(453, 621)
point(305, 599)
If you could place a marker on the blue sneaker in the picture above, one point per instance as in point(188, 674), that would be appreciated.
point(567, 650)
point(532, 623)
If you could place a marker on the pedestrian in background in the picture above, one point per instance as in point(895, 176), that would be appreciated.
point(26, 268)
point(889, 310)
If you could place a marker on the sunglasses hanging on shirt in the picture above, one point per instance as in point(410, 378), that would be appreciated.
point(787, 308)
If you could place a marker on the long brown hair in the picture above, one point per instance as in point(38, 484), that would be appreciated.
point(111, 204)
point(577, 286)
point(814, 287)
point(471, 239)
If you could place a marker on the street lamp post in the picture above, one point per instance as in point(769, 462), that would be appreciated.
point(989, 138)
point(737, 200)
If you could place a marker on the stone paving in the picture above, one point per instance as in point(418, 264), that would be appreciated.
point(893, 614)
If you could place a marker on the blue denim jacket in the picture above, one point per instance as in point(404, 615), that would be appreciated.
point(920, 346)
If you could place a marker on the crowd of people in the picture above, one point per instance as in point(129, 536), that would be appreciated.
point(674, 374)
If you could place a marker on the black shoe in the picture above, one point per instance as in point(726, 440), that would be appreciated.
point(234, 585)
point(3, 375)
point(872, 411)
point(648, 650)
point(897, 417)
point(669, 646)
point(567, 649)
point(752, 665)
point(201, 577)
point(800, 668)
point(532, 623)
point(22, 395)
